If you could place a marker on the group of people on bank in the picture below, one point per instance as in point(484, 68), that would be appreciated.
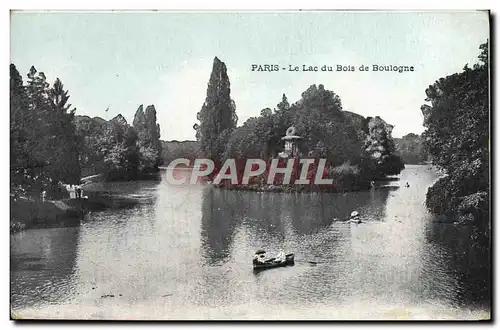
point(75, 191)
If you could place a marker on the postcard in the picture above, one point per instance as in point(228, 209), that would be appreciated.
point(250, 165)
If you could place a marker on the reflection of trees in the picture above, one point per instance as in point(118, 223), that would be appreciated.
point(224, 210)
point(330, 242)
point(299, 223)
point(269, 214)
point(376, 205)
point(219, 210)
point(314, 211)
point(466, 256)
point(265, 213)
point(42, 264)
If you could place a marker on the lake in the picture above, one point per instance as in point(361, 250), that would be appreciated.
point(186, 253)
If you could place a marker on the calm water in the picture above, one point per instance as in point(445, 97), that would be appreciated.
point(185, 253)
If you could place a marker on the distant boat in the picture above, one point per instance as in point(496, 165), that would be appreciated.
point(354, 218)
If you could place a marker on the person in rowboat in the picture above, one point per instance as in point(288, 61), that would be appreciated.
point(260, 256)
point(280, 257)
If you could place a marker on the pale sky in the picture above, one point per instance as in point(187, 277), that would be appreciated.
point(124, 59)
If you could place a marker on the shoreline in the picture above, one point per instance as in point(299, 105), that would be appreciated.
point(285, 189)
point(288, 189)
point(33, 214)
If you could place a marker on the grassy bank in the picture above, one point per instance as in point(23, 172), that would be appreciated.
point(31, 213)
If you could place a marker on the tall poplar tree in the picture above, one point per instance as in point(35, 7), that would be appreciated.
point(218, 114)
point(148, 138)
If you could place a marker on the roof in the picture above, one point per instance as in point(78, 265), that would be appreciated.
point(291, 137)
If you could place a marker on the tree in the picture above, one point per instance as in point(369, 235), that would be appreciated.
point(64, 153)
point(357, 149)
point(20, 160)
point(266, 112)
point(18, 109)
point(410, 148)
point(148, 138)
point(118, 150)
point(153, 129)
point(139, 122)
point(261, 136)
point(283, 105)
point(37, 90)
point(246, 141)
point(326, 131)
point(44, 146)
point(59, 97)
point(359, 123)
point(380, 147)
point(118, 145)
point(457, 139)
point(217, 116)
point(90, 132)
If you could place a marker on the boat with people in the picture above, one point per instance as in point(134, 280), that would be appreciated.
point(260, 261)
point(354, 218)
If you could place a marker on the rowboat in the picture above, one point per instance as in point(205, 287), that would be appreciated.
point(289, 260)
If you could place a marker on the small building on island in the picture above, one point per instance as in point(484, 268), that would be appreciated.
point(291, 139)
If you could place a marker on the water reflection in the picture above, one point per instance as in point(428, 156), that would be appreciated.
point(236, 223)
point(274, 215)
point(42, 264)
point(218, 221)
point(467, 261)
point(186, 252)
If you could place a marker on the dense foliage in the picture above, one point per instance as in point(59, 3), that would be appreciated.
point(457, 139)
point(379, 145)
point(410, 148)
point(362, 148)
point(172, 150)
point(148, 143)
point(118, 150)
point(326, 131)
point(43, 143)
point(50, 146)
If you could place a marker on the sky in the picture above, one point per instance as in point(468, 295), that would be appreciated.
point(120, 60)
